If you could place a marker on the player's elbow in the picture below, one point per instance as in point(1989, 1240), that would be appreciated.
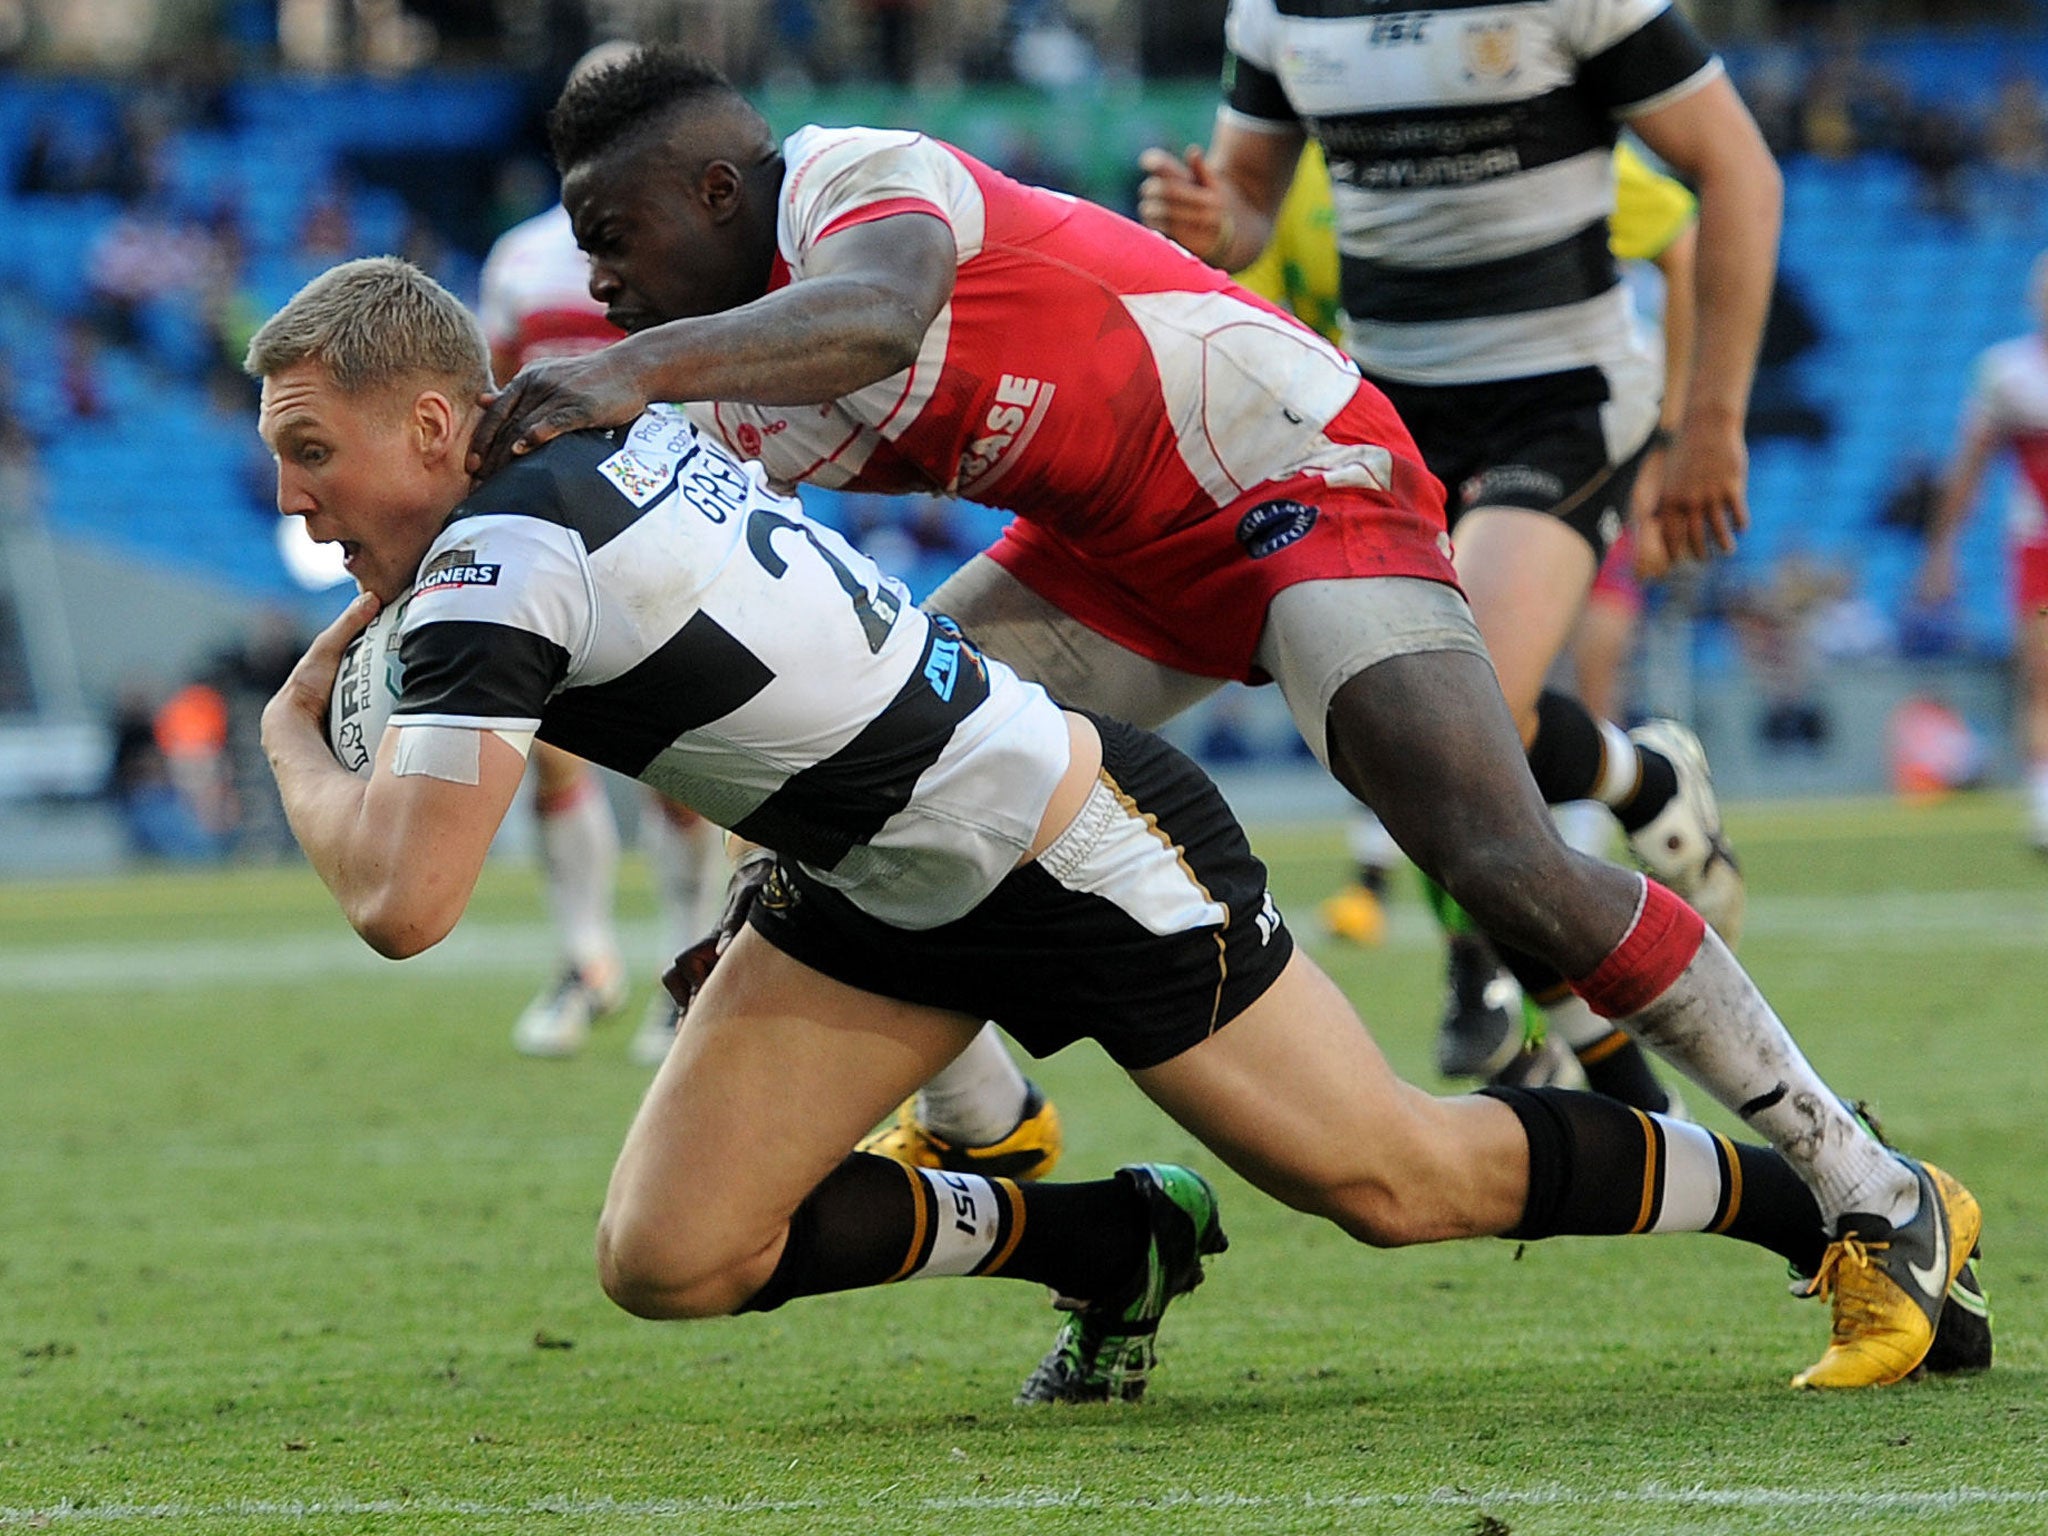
point(398, 925)
point(894, 341)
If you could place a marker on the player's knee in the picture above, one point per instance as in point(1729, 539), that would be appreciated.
point(1380, 1214)
point(1432, 1179)
point(655, 1270)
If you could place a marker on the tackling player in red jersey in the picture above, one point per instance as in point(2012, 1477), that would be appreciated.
point(1237, 504)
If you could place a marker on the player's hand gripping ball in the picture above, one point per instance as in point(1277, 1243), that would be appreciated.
point(365, 689)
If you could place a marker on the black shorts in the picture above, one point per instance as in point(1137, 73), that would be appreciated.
point(1066, 947)
point(1536, 443)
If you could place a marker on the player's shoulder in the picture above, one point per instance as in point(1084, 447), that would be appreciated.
point(1596, 27)
point(594, 482)
point(2016, 362)
point(819, 159)
point(546, 231)
point(813, 140)
point(2016, 352)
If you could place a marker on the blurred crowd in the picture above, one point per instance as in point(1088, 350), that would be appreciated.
point(924, 43)
point(1822, 94)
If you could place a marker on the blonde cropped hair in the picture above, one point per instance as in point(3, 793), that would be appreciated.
point(372, 324)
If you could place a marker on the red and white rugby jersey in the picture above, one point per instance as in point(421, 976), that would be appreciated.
point(534, 299)
point(2008, 401)
point(1087, 374)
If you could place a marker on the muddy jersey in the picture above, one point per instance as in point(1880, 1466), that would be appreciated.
point(2008, 403)
point(1086, 373)
point(1469, 147)
point(640, 598)
point(534, 295)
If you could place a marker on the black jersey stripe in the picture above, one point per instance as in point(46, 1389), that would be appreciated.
point(1663, 53)
point(556, 486)
point(1341, 10)
point(700, 674)
point(1432, 147)
point(1574, 269)
point(475, 668)
point(822, 812)
point(1255, 92)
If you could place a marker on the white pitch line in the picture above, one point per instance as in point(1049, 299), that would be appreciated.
point(1976, 920)
point(1836, 1502)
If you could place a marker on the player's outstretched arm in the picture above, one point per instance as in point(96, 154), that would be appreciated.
point(1710, 138)
point(1220, 205)
point(860, 314)
point(400, 851)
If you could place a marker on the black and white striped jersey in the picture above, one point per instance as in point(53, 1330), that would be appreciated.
point(640, 597)
point(1470, 151)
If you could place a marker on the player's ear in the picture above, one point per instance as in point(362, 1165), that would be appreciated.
point(721, 190)
point(435, 425)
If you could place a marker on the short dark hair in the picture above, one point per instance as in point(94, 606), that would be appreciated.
point(599, 107)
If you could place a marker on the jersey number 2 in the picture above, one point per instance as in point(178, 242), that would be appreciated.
point(876, 610)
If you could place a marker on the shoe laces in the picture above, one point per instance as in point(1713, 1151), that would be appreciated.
point(1843, 1269)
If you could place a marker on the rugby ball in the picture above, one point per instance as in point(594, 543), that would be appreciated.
point(365, 690)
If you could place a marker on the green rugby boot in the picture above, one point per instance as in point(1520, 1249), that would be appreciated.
point(1105, 1347)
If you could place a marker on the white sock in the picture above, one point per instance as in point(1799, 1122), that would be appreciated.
point(690, 871)
point(1620, 769)
point(978, 1098)
point(1715, 1027)
point(1587, 827)
point(2037, 800)
point(1574, 1023)
point(1370, 842)
point(579, 849)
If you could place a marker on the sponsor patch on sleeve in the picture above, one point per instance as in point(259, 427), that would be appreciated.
point(456, 568)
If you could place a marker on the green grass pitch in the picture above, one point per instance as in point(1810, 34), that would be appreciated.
point(291, 1241)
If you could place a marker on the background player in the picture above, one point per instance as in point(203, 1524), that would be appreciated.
point(534, 302)
point(2008, 408)
point(950, 844)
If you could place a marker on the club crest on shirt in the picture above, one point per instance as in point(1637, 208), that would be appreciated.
point(638, 478)
point(1273, 525)
point(1492, 50)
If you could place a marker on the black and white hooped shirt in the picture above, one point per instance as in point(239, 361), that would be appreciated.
point(639, 597)
point(1470, 151)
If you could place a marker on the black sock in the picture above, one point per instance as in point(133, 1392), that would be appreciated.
point(1597, 1167)
point(1616, 1066)
point(1566, 756)
point(1656, 783)
point(1374, 878)
point(872, 1221)
point(1538, 978)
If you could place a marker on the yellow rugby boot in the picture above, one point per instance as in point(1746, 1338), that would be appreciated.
point(1357, 914)
point(1028, 1152)
point(1888, 1285)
